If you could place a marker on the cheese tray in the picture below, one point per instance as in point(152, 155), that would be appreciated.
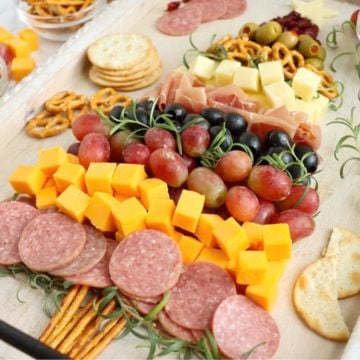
point(68, 70)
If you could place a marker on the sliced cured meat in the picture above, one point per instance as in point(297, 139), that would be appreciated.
point(211, 9)
point(240, 325)
point(99, 275)
point(193, 99)
point(93, 252)
point(14, 216)
point(51, 241)
point(142, 307)
point(234, 8)
point(149, 300)
point(181, 21)
point(200, 289)
point(197, 334)
point(174, 329)
point(146, 263)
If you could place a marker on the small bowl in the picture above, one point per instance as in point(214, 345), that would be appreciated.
point(58, 27)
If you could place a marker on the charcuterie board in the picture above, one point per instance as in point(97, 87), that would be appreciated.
point(67, 70)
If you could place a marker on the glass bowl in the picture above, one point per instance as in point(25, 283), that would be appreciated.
point(57, 22)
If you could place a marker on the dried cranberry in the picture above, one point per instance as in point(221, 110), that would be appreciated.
point(173, 5)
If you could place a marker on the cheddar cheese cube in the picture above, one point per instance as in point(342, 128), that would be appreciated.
point(274, 272)
point(73, 202)
point(305, 83)
point(277, 241)
point(50, 159)
point(127, 177)
point(98, 177)
point(69, 174)
point(19, 46)
point(121, 197)
point(176, 235)
point(152, 188)
point(231, 266)
point(99, 211)
point(4, 34)
point(254, 234)
point(231, 237)
point(263, 295)
point(188, 210)
point(46, 197)
point(251, 267)
point(214, 256)
point(49, 183)
point(224, 73)
point(21, 67)
point(27, 179)
point(129, 216)
point(205, 228)
point(190, 248)
point(159, 215)
point(31, 37)
point(71, 158)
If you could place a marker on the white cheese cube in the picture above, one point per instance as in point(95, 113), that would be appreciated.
point(224, 73)
point(270, 72)
point(321, 104)
point(305, 106)
point(279, 94)
point(305, 83)
point(247, 78)
point(260, 98)
point(203, 67)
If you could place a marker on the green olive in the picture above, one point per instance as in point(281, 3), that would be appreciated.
point(289, 39)
point(305, 37)
point(316, 62)
point(249, 30)
point(308, 47)
point(321, 54)
point(268, 32)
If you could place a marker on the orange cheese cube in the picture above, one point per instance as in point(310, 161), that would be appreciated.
point(263, 295)
point(129, 216)
point(69, 174)
point(98, 177)
point(205, 227)
point(49, 183)
point(71, 158)
point(231, 266)
point(231, 238)
point(99, 211)
point(277, 241)
point(176, 235)
point(46, 197)
point(4, 34)
point(254, 234)
point(19, 46)
point(50, 159)
point(127, 177)
point(190, 248)
point(188, 210)
point(274, 272)
point(73, 202)
point(31, 37)
point(251, 267)
point(215, 256)
point(21, 67)
point(159, 215)
point(27, 179)
point(121, 197)
point(152, 188)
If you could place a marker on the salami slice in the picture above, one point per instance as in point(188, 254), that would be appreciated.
point(182, 21)
point(99, 275)
point(14, 216)
point(93, 252)
point(200, 289)
point(142, 307)
point(234, 8)
point(51, 241)
point(146, 263)
point(240, 325)
point(173, 328)
point(211, 9)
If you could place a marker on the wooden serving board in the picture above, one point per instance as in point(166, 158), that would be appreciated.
point(67, 70)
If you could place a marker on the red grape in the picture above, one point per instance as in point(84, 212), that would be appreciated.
point(195, 140)
point(136, 153)
point(6, 53)
point(190, 162)
point(266, 212)
point(89, 123)
point(354, 16)
point(242, 203)
point(206, 182)
point(234, 166)
point(270, 183)
point(169, 166)
point(118, 142)
point(156, 138)
point(94, 148)
point(74, 148)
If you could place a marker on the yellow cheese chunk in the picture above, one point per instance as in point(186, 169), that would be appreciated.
point(71, 158)
point(203, 67)
point(190, 248)
point(121, 197)
point(254, 234)
point(305, 106)
point(160, 214)
point(4, 34)
point(305, 83)
point(231, 237)
point(270, 72)
point(205, 227)
point(98, 177)
point(50, 159)
point(27, 179)
point(69, 174)
point(99, 211)
point(214, 256)
point(277, 241)
point(21, 67)
point(177, 236)
point(188, 210)
point(73, 202)
point(152, 188)
point(19, 46)
point(263, 295)
point(49, 183)
point(224, 73)
point(320, 104)
point(274, 272)
point(127, 177)
point(251, 267)
point(46, 197)
point(129, 216)
point(279, 93)
point(31, 37)
point(231, 267)
point(247, 78)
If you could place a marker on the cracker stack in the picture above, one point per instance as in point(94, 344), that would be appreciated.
point(125, 61)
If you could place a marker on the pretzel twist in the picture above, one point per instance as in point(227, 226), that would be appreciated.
point(107, 98)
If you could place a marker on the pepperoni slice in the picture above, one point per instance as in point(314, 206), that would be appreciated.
point(14, 216)
point(199, 291)
point(211, 9)
point(234, 8)
point(240, 325)
point(51, 241)
point(146, 263)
